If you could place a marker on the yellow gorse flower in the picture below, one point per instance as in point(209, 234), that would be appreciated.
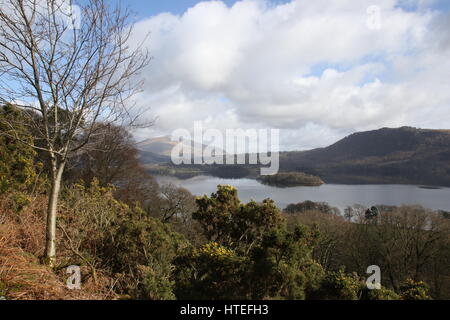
point(213, 249)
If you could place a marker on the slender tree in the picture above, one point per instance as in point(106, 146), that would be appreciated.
point(67, 70)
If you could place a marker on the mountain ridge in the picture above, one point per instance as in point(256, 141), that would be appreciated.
point(387, 155)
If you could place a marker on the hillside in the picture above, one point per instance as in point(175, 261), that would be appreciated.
point(148, 157)
point(402, 155)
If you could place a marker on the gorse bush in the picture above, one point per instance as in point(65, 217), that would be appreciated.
point(104, 233)
point(18, 168)
point(282, 265)
point(225, 220)
point(210, 272)
point(339, 286)
point(87, 222)
point(142, 250)
point(251, 255)
point(414, 290)
point(379, 294)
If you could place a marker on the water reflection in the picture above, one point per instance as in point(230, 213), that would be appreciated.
point(336, 195)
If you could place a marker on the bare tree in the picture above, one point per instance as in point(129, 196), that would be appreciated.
point(67, 73)
point(177, 202)
point(109, 157)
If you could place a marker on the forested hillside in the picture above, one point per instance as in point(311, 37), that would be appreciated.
point(403, 155)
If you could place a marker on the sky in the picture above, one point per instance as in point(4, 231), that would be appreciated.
point(317, 70)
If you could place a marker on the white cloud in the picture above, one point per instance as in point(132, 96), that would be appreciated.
point(311, 68)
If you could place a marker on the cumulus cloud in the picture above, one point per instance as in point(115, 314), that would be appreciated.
point(311, 68)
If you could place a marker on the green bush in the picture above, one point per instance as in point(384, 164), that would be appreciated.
point(210, 272)
point(227, 221)
point(156, 283)
point(338, 286)
point(251, 254)
point(136, 248)
point(19, 170)
point(414, 290)
point(20, 200)
point(282, 266)
point(381, 294)
point(142, 243)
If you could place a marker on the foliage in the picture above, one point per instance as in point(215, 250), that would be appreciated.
point(250, 255)
point(19, 201)
point(102, 232)
point(339, 286)
point(141, 242)
point(332, 228)
point(225, 220)
point(404, 243)
point(379, 294)
point(156, 283)
point(88, 219)
point(305, 206)
point(282, 265)
point(291, 179)
point(210, 272)
point(414, 290)
point(19, 170)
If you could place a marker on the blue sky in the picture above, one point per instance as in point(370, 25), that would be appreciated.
point(146, 8)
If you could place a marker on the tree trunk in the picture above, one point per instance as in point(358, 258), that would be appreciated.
point(50, 242)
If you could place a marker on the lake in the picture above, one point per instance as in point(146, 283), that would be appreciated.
point(336, 195)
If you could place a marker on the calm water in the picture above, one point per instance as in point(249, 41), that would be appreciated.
point(336, 195)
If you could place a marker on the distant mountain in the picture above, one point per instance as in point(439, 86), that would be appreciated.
point(402, 155)
point(159, 150)
point(159, 146)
